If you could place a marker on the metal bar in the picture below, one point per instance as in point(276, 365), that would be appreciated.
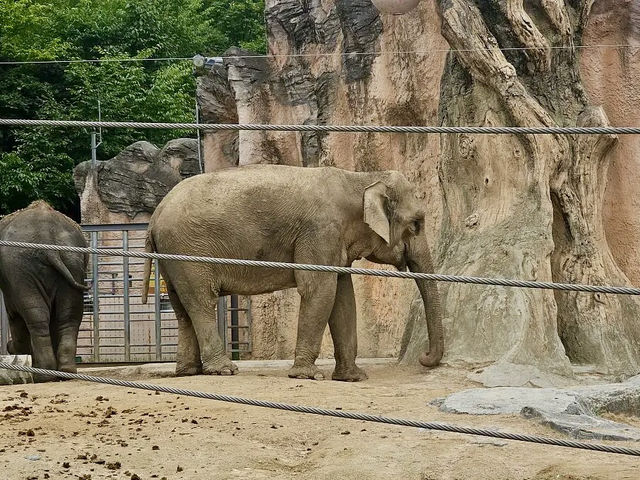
point(109, 227)
point(248, 314)
point(94, 159)
point(96, 300)
point(117, 295)
point(234, 325)
point(158, 316)
point(200, 162)
point(4, 326)
point(222, 319)
point(125, 291)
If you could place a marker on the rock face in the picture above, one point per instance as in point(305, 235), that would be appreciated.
point(12, 377)
point(573, 411)
point(129, 186)
point(531, 208)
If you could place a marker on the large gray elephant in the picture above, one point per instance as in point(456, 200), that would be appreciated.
point(43, 290)
point(287, 214)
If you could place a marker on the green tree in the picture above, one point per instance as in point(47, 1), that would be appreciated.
point(38, 162)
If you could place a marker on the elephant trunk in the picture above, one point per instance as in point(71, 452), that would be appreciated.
point(419, 260)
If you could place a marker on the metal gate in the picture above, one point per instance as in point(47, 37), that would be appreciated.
point(117, 327)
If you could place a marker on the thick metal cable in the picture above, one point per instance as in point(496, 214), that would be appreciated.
point(332, 269)
point(330, 413)
point(319, 54)
point(329, 128)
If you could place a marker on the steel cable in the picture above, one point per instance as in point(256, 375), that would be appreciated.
point(331, 413)
point(541, 130)
point(503, 282)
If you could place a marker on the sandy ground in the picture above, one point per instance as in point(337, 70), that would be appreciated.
point(80, 430)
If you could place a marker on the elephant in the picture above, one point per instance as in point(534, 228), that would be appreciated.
point(43, 289)
point(319, 215)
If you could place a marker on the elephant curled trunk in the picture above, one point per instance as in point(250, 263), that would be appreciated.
point(419, 260)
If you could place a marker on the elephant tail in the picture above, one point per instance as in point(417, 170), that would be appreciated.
point(56, 262)
point(149, 247)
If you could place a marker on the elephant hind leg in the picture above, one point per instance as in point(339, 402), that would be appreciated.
point(65, 324)
point(188, 355)
point(37, 320)
point(20, 343)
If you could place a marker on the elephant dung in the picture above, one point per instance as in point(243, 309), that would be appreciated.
point(11, 377)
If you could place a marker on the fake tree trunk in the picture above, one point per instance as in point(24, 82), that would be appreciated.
point(526, 206)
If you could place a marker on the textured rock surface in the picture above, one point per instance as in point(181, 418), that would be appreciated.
point(130, 185)
point(10, 377)
point(497, 205)
point(573, 411)
point(217, 105)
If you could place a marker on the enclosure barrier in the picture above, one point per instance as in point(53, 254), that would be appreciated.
point(333, 269)
point(444, 427)
point(541, 130)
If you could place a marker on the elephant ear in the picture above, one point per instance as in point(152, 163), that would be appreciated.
point(375, 197)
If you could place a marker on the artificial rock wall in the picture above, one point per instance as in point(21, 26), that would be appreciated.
point(354, 66)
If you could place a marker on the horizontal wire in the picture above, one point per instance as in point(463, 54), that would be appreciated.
point(541, 130)
point(329, 54)
point(332, 269)
point(444, 427)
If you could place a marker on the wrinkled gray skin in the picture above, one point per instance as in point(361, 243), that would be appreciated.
point(43, 290)
point(287, 214)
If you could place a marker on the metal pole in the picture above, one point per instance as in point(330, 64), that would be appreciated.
point(4, 326)
point(96, 295)
point(235, 345)
point(200, 164)
point(158, 315)
point(249, 329)
point(125, 292)
point(94, 147)
point(222, 320)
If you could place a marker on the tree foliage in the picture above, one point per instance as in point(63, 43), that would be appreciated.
point(38, 162)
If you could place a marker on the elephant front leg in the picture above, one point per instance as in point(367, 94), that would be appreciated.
point(343, 327)
point(317, 292)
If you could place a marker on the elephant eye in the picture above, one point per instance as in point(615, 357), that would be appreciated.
point(417, 226)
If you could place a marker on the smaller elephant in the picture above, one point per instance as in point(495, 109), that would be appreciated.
point(43, 289)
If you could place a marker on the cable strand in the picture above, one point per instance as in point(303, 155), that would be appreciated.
point(332, 269)
point(331, 413)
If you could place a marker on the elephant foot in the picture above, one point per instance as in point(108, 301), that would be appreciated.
point(223, 366)
point(310, 372)
point(38, 378)
point(188, 370)
point(349, 374)
point(70, 368)
point(15, 348)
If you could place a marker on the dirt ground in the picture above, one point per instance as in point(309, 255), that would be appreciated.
point(91, 431)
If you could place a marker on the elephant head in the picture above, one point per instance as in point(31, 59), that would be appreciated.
point(393, 212)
